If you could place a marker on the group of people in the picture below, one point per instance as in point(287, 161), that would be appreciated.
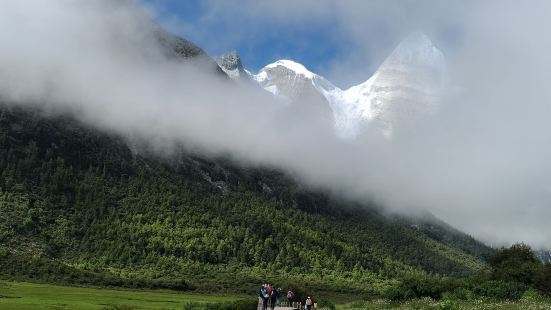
point(270, 297)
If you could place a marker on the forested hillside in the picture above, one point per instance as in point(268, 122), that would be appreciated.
point(80, 206)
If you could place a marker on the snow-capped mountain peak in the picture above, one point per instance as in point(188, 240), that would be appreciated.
point(416, 49)
point(289, 79)
point(405, 86)
point(297, 68)
point(306, 92)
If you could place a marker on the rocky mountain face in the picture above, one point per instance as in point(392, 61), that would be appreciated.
point(544, 255)
point(231, 64)
point(405, 87)
point(182, 49)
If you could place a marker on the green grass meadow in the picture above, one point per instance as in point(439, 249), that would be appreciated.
point(22, 295)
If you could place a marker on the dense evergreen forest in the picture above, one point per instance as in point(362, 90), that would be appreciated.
point(78, 205)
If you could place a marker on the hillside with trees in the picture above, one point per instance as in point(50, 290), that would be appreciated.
point(78, 205)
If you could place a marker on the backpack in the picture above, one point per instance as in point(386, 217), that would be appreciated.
point(290, 295)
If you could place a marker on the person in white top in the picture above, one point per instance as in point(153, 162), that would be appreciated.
point(309, 303)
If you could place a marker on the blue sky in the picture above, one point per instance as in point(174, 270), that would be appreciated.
point(344, 41)
point(313, 44)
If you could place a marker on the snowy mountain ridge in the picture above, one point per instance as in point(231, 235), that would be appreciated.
point(405, 86)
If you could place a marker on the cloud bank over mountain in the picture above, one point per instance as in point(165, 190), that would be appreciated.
point(481, 162)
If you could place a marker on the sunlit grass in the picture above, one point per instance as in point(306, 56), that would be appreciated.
point(20, 295)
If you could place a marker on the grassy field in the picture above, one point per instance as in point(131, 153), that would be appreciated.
point(525, 304)
point(20, 295)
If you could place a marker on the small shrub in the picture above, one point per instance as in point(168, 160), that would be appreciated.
point(460, 293)
point(500, 290)
point(531, 295)
point(447, 305)
point(397, 293)
point(326, 305)
point(417, 287)
point(543, 280)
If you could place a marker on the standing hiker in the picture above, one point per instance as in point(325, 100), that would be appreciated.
point(277, 294)
point(290, 297)
point(308, 303)
point(264, 295)
point(269, 293)
point(273, 297)
point(259, 294)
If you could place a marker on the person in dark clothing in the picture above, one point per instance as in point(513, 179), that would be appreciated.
point(278, 297)
point(273, 298)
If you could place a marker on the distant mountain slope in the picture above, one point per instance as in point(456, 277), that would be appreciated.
point(544, 255)
point(82, 198)
point(182, 49)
